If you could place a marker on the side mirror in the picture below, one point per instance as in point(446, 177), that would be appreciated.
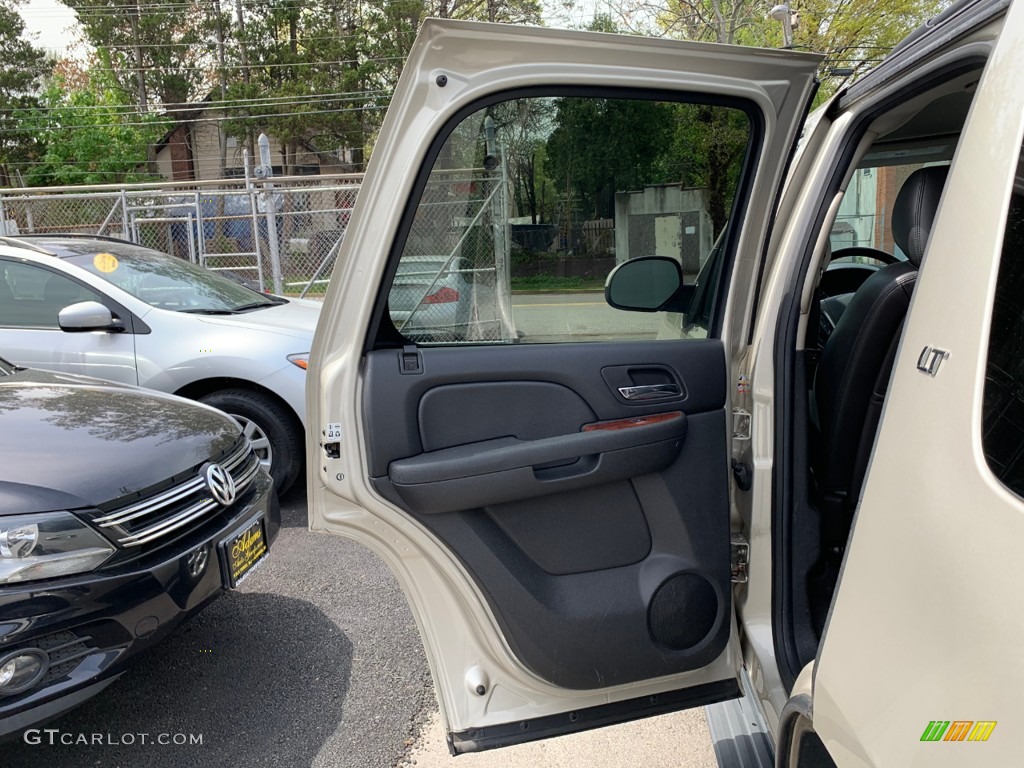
point(648, 284)
point(87, 316)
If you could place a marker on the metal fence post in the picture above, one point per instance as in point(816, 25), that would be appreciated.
point(250, 190)
point(265, 171)
point(275, 249)
point(126, 232)
point(29, 221)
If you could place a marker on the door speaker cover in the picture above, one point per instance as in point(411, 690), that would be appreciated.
point(683, 611)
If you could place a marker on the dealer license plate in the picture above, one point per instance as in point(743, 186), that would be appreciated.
point(244, 551)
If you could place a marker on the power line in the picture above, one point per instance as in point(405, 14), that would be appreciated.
point(192, 121)
point(213, 68)
point(265, 101)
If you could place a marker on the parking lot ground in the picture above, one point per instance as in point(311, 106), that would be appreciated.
point(314, 661)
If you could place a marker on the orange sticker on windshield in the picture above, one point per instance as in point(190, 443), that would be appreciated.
point(105, 262)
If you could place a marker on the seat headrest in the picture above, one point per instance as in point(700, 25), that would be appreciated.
point(914, 210)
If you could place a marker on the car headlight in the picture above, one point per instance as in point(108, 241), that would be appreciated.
point(48, 545)
point(301, 359)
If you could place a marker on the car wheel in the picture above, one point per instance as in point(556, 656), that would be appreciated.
point(274, 432)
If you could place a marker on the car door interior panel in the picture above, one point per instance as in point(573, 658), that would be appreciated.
point(596, 525)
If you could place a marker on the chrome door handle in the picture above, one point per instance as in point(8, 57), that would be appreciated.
point(650, 392)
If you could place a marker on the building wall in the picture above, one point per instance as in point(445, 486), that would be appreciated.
point(205, 146)
point(664, 220)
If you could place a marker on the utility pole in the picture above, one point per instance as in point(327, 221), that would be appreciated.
point(134, 13)
point(222, 139)
point(244, 56)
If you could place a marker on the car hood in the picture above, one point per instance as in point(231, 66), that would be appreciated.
point(72, 442)
point(297, 318)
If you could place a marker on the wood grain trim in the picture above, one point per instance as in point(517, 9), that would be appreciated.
point(632, 421)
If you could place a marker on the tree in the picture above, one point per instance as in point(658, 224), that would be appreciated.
point(596, 150)
point(22, 65)
point(91, 133)
point(853, 34)
point(323, 71)
point(302, 80)
point(155, 50)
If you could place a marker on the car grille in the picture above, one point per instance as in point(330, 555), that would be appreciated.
point(66, 652)
point(151, 519)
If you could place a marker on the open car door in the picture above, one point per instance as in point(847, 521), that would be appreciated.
point(547, 476)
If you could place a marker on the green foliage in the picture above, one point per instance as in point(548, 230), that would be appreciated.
point(706, 151)
point(603, 146)
point(555, 283)
point(88, 134)
point(350, 56)
point(21, 67)
point(853, 34)
point(156, 51)
point(597, 148)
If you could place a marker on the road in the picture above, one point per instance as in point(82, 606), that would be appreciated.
point(550, 317)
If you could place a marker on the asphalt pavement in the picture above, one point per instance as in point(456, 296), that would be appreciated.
point(314, 661)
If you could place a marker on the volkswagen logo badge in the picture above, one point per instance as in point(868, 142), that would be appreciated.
point(221, 485)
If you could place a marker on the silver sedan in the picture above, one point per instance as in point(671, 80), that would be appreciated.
point(118, 311)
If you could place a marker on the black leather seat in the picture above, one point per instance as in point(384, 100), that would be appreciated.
point(855, 365)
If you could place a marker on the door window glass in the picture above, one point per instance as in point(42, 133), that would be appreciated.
point(531, 202)
point(31, 297)
point(1003, 423)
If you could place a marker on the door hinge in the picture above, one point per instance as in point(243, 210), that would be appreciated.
point(740, 424)
point(739, 551)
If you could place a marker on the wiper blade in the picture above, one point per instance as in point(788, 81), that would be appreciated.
point(258, 305)
point(202, 311)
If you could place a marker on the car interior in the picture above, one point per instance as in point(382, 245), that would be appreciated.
point(847, 341)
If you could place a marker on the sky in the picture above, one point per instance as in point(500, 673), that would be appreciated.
point(48, 24)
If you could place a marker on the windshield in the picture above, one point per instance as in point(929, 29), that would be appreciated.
point(167, 282)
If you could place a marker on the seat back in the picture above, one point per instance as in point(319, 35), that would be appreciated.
point(853, 374)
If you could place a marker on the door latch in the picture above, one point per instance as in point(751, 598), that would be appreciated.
point(332, 440)
point(740, 424)
point(739, 551)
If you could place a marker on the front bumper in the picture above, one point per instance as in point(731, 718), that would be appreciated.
point(93, 624)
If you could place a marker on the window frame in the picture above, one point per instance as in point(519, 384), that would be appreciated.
point(381, 331)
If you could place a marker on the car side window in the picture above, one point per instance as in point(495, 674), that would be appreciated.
point(32, 297)
point(531, 202)
point(1003, 408)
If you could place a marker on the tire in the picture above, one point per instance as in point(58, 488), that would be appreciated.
point(274, 430)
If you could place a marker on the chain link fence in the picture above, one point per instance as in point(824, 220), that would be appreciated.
point(279, 235)
point(453, 280)
point(283, 235)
